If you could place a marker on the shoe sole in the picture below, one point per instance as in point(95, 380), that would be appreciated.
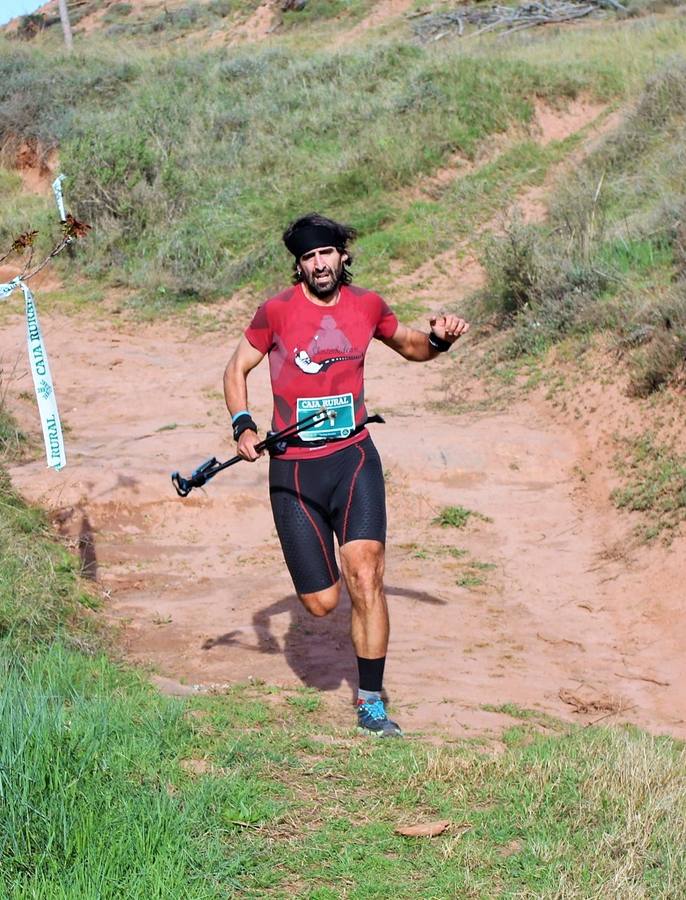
point(379, 734)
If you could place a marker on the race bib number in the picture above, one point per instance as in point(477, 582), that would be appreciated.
point(340, 423)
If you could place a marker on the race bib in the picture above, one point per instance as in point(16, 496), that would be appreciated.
point(342, 408)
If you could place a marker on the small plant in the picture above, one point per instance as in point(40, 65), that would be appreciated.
point(116, 12)
point(469, 581)
point(457, 517)
point(472, 574)
point(456, 552)
point(513, 270)
point(656, 342)
point(12, 439)
point(512, 709)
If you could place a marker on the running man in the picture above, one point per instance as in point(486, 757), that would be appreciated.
point(329, 479)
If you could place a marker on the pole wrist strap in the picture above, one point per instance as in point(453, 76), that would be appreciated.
point(243, 422)
point(438, 344)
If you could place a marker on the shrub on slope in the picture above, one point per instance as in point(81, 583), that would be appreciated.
point(612, 254)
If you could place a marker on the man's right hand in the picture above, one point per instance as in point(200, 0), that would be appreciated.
point(245, 446)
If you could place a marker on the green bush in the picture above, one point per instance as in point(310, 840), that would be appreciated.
point(221, 8)
point(615, 237)
point(534, 286)
point(654, 340)
point(30, 26)
point(117, 11)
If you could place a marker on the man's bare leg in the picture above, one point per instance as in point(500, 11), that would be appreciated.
point(363, 569)
point(363, 564)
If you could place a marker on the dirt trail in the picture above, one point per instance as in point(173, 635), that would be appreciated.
point(205, 596)
point(531, 605)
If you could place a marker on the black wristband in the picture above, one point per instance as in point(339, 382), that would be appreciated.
point(438, 343)
point(243, 423)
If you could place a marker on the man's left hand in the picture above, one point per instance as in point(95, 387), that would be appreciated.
point(448, 328)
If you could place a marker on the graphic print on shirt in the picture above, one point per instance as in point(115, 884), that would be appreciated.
point(335, 341)
point(310, 367)
point(328, 346)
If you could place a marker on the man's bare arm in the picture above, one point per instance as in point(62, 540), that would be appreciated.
point(414, 345)
point(243, 361)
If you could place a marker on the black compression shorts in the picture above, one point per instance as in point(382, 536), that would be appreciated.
point(313, 498)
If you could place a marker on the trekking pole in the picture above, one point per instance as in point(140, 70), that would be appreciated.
point(212, 466)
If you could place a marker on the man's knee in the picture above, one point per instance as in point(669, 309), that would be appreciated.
point(364, 583)
point(321, 603)
point(363, 565)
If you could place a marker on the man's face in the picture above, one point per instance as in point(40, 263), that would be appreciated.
point(322, 269)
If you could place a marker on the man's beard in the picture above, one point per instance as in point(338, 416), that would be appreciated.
point(324, 288)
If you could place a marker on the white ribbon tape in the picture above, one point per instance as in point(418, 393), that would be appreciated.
point(57, 190)
point(42, 380)
point(6, 289)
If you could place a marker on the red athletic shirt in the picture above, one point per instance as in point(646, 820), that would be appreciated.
point(316, 358)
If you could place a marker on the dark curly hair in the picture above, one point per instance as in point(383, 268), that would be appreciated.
point(344, 234)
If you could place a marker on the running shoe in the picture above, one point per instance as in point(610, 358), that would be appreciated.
point(372, 719)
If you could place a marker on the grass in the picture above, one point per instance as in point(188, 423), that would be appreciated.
point(109, 789)
point(21, 213)
point(465, 570)
point(12, 439)
point(511, 709)
point(346, 12)
point(41, 596)
point(470, 581)
point(655, 477)
point(132, 794)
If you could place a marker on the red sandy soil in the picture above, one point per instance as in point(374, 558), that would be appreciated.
point(382, 13)
point(37, 167)
point(572, 619)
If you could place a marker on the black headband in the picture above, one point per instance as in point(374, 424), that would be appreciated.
point(309, 237)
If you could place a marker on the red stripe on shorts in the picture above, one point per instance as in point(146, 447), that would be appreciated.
point(363, 457)
point(313, 523)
